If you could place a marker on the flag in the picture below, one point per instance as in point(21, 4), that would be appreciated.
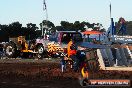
point(44, 5)
point(110, 9)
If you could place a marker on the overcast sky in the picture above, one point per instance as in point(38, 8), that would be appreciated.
point(26, 11)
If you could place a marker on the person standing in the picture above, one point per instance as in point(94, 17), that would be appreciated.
point(123, 26)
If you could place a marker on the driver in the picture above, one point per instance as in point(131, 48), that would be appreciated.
point(72, 51)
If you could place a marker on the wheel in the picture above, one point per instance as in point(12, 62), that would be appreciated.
point(84, 82)
point(92, 61)
point(11, 50)
point(40, 50)
point(1, 55)
point(93, 65)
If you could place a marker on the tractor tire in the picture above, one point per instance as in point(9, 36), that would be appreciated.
point(11, 50)
point(84, 82)
point(93, 65)
point(40, 50)
point(92, 62)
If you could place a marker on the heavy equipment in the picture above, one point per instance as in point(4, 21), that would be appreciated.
point(18, 46)
point(54, 47)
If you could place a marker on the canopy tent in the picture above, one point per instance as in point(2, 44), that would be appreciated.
point(92, 32)
point(89, 33)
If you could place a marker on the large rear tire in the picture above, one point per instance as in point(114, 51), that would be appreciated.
point(92, 62)
point(93, 65)
point(11, 50)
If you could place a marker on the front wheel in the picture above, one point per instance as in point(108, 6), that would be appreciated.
point(11, 50)
point(40, 50)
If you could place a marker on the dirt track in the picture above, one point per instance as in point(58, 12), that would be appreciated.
point(35, 74)
point(45, 74)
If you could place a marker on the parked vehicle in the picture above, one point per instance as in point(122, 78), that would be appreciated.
point(61, 39)
point(18, 46)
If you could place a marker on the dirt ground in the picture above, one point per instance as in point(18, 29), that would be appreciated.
point(46, 74)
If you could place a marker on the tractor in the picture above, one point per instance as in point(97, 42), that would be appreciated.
point(41, 47)
point(58, 42)
point(114, 53)
point(98, 57)
point(18, 46)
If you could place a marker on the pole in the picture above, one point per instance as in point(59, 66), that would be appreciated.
point(110, 9)
point(46, 15)
point(42, 29)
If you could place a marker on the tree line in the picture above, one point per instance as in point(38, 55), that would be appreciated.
point(31, 31)
point(67, 26)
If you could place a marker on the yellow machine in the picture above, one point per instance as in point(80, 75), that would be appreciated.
point(23, 42)
point(19, 45)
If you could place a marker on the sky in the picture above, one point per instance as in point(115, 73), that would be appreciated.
point(93, 11)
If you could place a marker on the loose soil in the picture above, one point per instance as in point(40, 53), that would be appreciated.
point(19, 73)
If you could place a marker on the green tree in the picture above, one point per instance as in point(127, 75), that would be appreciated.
point(46, 25)
point(32, 26)
point(59, 28)
point(15, 29)
point(31, 30)
point(129, 27)
point(64, 24)
point(4, 33)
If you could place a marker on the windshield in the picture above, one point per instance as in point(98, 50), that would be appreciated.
point(67, 36)
point(53, 37)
